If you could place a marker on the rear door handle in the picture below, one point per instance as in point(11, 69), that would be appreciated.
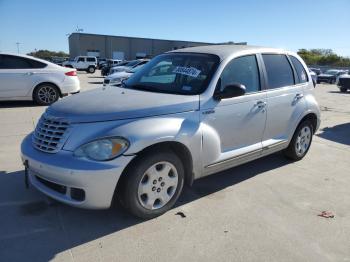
point(260, 104)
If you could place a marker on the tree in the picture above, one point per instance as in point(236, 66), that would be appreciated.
point(323, 57)
point(47, 55)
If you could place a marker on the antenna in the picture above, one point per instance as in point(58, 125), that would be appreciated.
point(18, 43)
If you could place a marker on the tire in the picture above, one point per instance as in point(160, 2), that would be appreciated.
point(46, 94)
point(91, 70)
point(343, 90)
point(152, 184)
point(301, 141)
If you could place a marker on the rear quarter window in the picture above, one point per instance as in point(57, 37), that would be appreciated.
point(299, 68)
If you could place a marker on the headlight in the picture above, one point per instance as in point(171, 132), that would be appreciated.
point(115, 80)
point(103, 149)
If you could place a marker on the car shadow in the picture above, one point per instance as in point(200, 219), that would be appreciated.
point(96, 83)
point(338, 133)
point(95, 77)
point(14, 104)
point(338, 92)
point(69, 227)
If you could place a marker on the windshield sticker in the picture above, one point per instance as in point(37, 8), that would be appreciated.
point(188, 71)
point(187, 88)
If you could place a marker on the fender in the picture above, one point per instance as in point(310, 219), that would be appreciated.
point(141, 133)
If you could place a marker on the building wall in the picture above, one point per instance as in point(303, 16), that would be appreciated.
point(80, 44)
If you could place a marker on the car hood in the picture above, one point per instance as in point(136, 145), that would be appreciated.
point(344, 76)
point(114, 103)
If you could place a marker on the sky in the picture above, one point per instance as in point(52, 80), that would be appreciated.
point(39, 24)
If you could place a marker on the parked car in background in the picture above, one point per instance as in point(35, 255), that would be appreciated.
point(101, 62)
point(317, 71)
point(344, 82)
point(27, 78)
point(128, 66)
point(313, 76)
point(186, 114)
point(117, 78)
point(83, 63)
point(107, 67)
point(330, 76)
point(59, 60)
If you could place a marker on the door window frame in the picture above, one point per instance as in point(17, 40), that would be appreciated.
point(295, 76)
point(262, 84)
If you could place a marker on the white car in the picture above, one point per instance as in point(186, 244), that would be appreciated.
point(83, 63)
point(128, 66)
point(117, 78)
point(27, 78)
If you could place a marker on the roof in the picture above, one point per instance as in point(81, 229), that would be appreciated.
point(224, 51)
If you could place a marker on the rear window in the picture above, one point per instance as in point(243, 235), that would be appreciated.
point(301, 73)
point(16, 62)
point(279, 71)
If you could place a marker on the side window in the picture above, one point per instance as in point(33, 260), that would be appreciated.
point(302, 75)
point(15, 62)
point(90, 59)
point(81, 59)
point(243, 70)
point(279, 72)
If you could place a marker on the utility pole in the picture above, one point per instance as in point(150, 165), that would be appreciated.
point(18, 47)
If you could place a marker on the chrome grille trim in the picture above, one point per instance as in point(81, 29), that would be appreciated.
point(50, 134)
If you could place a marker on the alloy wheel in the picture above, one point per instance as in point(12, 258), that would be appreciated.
point(303, 140)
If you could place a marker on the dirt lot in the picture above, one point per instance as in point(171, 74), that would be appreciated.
point(266, 210)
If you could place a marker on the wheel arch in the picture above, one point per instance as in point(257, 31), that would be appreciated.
point(43, 83)
point(176, 147)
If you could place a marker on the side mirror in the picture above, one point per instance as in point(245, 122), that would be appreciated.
point(231, 90)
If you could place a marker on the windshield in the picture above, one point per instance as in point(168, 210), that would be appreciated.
point(132, 63)
point(136, 68)
point(175, 73)
point(331, 72)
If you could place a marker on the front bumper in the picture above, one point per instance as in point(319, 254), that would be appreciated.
point(62, 175)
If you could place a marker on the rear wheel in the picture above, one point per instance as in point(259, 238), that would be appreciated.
point(343, 90)
point(152, 185)
point(301, 141)
point(91, 69)
point(46, 94)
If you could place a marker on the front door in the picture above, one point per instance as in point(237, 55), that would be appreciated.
point(237, 123)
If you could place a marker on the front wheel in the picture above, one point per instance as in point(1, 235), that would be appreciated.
point(301, 141)
point(343, 90)
point(46, 94)
point(152, 184)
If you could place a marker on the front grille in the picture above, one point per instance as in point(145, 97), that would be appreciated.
point(50, 134)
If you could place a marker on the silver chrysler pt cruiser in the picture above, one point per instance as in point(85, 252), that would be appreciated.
point(186, 114)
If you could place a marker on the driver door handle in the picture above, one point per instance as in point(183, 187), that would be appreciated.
point(29, 73)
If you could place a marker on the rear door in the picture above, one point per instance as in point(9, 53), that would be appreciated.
point(17, 75)
point(285, 99)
